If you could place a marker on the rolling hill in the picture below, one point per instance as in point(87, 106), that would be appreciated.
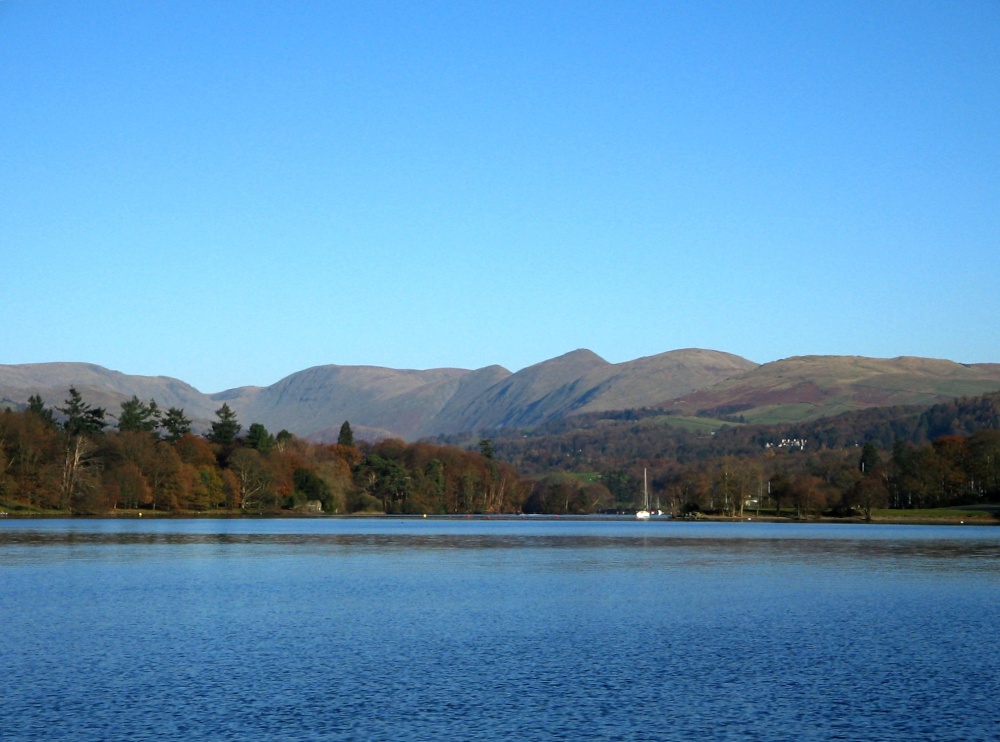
point(412, 404)
point(416, 404)
point(99, 386)
point(810, 387)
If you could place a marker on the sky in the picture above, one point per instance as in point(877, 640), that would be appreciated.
point(230, 192)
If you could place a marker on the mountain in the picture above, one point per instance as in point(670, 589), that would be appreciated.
point(582, 381)
point(99, 386)
point(809, 387)
point(407, 403)
point(385, 401)
point(413, 404)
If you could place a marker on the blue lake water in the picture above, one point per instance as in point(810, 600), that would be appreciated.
point(527, 629)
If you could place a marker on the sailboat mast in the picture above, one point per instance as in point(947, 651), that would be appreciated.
point(644, 513)
point(645, 490)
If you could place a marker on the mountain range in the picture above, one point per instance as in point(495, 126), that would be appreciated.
point(413, 404)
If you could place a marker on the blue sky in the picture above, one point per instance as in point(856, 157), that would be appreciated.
point(229, 192)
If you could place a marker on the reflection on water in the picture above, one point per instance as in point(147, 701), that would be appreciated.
point(918, 546)
point(402, 629)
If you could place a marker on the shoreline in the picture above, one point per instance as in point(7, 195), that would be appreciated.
point(980, 518)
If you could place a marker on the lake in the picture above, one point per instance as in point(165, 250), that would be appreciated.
point(511, 629)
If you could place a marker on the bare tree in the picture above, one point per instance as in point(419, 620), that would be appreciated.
point(253, 477)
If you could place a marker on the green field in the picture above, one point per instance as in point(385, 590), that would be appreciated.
point(692, 424)
point(793, 413)
point(985, 512)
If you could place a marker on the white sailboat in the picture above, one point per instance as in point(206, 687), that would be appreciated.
point(644, 513)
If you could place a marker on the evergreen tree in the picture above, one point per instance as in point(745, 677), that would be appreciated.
point(37, 407)
point(226, 428)
point(258, 438)
point(870, 459)
point(176, 424)
point(81, 417)
point(346, 437)
point(486, 448)
point(138, 417)
point(311, 486)
point(779, 489)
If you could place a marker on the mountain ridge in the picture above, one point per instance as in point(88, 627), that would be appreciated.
point(806, 387)
point(413, 404)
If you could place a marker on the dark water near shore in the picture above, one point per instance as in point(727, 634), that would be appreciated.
point(396, 629)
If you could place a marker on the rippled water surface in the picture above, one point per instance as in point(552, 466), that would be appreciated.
point(399, 629)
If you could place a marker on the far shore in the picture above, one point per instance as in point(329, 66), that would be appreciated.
point(984, 515)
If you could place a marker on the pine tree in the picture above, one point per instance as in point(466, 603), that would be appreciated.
point(176, 424)
point(258, 438)
point(346, 437)
point(226, 428)
point(37, 407)
point(138, 417)
point(81, 417)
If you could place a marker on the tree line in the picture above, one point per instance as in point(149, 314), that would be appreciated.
point(71, 459)
point(904, 457)
point(852, 481)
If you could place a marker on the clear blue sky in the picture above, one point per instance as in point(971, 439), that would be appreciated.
point(228, 192)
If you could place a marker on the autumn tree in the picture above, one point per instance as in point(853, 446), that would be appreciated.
point(688, 488)
point(82, 422)
point(737, 482)
point(194, 451)
point(497, 481)
point(168, 479)
point(871, 492)
point(208, 488)
point(807, 495)
point(29, 458)
point(334, 465)
point(127, 487)
point(560, 493)
point(253, 479)
point(130, 447)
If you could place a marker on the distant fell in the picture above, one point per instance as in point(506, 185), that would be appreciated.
point(413, 404)
point(316, 401)
point(582, 381)
point(100, 386)
point(809, 387)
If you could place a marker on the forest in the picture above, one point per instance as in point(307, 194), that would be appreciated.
point(940, 455)
point(78, 459)
point(69, 460)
